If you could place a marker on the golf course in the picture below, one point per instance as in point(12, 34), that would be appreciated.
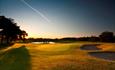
point(57, 34)
point(58, 56)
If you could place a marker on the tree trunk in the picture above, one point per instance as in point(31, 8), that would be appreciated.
point(2, 38)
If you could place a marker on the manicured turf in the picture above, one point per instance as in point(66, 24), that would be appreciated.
point(59, 56)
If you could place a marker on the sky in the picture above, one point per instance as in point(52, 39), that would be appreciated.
point(61, 18)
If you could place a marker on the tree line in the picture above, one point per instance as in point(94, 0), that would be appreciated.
point(105, 36)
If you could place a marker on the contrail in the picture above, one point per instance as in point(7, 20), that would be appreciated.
point(37, 11)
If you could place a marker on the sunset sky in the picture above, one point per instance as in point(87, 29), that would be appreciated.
point(61, 18)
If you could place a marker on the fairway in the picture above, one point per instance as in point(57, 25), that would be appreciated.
point(58, 56)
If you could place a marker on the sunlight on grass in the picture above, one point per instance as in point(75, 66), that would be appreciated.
point(54, 47)
point(59, 56)
point(107, 47)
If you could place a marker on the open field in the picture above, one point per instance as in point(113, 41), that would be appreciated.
point(58, 56)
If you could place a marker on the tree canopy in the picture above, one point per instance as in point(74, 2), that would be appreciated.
point(107, 36)
point(10, 31)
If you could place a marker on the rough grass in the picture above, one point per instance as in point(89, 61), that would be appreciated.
point(59, 56)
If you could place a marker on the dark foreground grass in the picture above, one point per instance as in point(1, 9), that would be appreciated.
point(15, 59)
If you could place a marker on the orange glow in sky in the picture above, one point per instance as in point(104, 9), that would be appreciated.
point(61, 18)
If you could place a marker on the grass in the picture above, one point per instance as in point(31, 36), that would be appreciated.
point(59, 56)
point(15, 59)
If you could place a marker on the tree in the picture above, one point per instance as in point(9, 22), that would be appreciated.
point(107, 36)
point(9, 30)
point(22, 35)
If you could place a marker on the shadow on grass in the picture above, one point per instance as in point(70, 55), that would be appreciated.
point(15, 59)
point(4, 46)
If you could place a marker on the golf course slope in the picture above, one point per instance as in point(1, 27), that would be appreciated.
point(58, 56)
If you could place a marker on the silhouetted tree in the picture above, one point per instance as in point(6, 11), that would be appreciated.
point(114, 38)
point(83, 39)
point(22, 35)
point(9, 30)
point(94, 39)
point(68, 39)
point(107, 36)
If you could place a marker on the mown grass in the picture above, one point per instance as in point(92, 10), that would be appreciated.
point(15, 59)
point(59, 56)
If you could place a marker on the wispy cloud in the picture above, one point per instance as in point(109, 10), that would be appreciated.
point(37, 11)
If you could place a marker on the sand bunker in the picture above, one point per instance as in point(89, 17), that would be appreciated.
point(107, 55)
point(104, 55)
point(90, 47)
